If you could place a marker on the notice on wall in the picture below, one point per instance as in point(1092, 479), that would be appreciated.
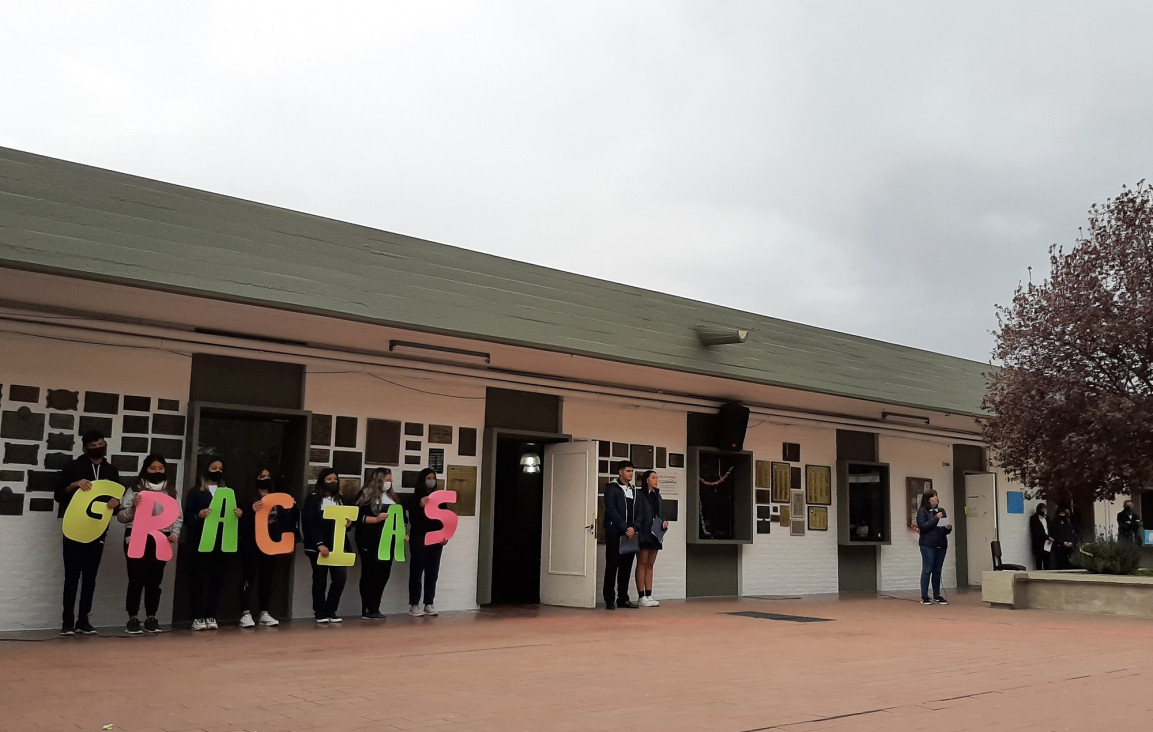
point(1015, 501)
point(436, 460)
point(669, 482)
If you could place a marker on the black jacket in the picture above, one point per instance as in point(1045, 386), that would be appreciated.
point(280, 522)
point(196, 501)
point(1128, 526)
point(648, 507)
point(368, 535)
point(316, 530)
point(1038, 534)
point(82, 468)
point(619, 510)
point(1064, 531)
point(931, 533)
point(422, 524)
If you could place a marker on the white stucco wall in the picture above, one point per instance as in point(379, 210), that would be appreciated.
point(777, 563)
point(32, 573)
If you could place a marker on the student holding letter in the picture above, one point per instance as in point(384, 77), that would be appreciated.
point(146, 573)
point(320, 536)
point(208, 561)
point(82, 559)
point(375, 501)
point(424, 565)
point(257, 567)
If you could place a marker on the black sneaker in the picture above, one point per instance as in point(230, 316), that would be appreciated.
point(85, 627)
point(335, 619)
point(67, 629)
point(926, 601)
point(628, 603)
point(133, 627)
point(152, 625)
point(373, 615)
point(610, 606)
point(940, 601)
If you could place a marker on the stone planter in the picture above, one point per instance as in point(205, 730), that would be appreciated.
point(1074, 591)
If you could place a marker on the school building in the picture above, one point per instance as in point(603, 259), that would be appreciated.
point(206, 327)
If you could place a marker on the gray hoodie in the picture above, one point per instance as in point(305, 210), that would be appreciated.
point(128, 513)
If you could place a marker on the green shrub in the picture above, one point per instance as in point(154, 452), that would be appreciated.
point(1108, 556)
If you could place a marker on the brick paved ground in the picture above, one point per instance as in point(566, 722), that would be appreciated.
point(878, 664)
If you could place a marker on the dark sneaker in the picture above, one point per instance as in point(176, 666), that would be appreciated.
point(67, 629)
point(628, 604)
point(152, 625)
point(85, 627)
point(926, 601)
point(372, 615)
point(133, 627)
point(940, 601)
point(610, 606)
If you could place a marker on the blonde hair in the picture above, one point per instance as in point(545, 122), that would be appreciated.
point(374, 489)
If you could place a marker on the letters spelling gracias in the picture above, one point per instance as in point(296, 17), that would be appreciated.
point(85, 521)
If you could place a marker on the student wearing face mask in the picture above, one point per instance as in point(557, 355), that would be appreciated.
point(82, 560)
point(1041, 538)
point(934, 528)
point(1064, 539)
point(257, 569)
point(424, 562)
point(207, 567)
point(373, 502)
point(319, 536)
point(146, 573)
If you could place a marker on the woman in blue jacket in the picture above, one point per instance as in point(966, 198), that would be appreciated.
point(934, 542)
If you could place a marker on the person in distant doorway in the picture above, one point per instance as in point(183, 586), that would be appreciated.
point(1064, 539)
point(1041, 538)
point(934, 529)
point(146, 573)
point(257, 569)
point(1129, 524)
point(620, 512)
point(424, 561)
point(319, 538)
point(647, 517)
point(373, 502)
point(207, 567)
point(82, 560)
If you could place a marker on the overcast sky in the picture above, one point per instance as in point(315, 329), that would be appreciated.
point(888, 169)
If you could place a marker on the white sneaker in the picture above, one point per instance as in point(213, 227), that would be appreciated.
point(429, 610)
point(415, 611)
point(246, 621)
point(212, 624)
point(199, 624)
point(268, 620)
point(648, 601)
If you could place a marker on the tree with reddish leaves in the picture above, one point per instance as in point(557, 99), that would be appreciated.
point(1072, 406)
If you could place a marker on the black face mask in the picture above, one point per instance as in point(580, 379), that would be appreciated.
point(332, 488)
point(96, 453)
point(264, 484)
point(215, 476)
point(156, 478)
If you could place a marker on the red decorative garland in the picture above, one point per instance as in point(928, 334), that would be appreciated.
point(720, 480)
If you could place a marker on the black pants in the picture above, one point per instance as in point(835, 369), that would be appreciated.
point(207, 571)
point(618, 569)
point(423, 564)
point(256, 570)
point(326, 605)
point(374, 576)
point(1043, 560)
point(144, 576)
point(81, 563)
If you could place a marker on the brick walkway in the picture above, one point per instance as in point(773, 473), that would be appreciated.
point(878, 664)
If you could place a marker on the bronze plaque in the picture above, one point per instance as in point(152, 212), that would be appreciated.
point(764, 474)
point(818, 485)
point(782, 482)
point(818, 518)
point(440, 434)
point(462, 479)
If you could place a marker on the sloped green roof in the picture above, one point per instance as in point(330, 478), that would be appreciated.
point(62, 217)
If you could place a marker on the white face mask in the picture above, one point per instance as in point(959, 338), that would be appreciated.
point(430, 483)
point(388, 485)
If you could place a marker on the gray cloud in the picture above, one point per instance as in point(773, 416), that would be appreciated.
point(889, 169)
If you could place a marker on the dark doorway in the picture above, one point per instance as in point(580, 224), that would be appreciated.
point(519, 498)
point(246, 440)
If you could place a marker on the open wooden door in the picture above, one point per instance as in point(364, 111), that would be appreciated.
point(568, 568)
point(980, 523)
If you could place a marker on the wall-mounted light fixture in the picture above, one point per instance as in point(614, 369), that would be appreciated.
point(903, 418)
point(530, 462)
point(715, 335)
point(438, 353)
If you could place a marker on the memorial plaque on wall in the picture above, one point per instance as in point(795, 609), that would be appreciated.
point(64, 400)
point(11, 476)
point(439, 434)
point(167, 424)
point(462, 479)
point(137, 404)
point(414, 429)
point(61, 421)
point(413, 459)
point(797, 527)
point(58, 460)
point(41, 504)
point(61, 441)
point(764, 527)
point(413, 445)
point(30, 394)
point(318, 455)
point(466, 442)
point(21, 454)
point(620, 450)
point(436, 460)
point(136, 424)
point(169, 449)
point(134, 444)
point(346, 428)
point(347, 462)
point(763, 474)
point(11, 503)
point(104, 424)
point(676, 460)
point(662, 458)
point(22, 424)
point(101, 402)
point(42, 480)
point(321, 430)
point(818, 485)
point(168, 405)
point(642, 456)
point(382, 442)
point(604, 449)
point(818, 518)
point(782, 482)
